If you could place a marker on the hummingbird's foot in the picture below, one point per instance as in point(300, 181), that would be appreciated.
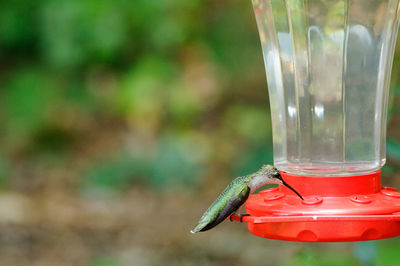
point(241, 216)
point(230, 217)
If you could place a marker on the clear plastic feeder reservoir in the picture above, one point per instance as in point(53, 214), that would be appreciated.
point(328, 65)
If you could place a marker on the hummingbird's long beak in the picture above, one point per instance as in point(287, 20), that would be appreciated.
point(286, 184)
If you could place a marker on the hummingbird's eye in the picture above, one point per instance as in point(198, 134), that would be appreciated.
point(276, 175)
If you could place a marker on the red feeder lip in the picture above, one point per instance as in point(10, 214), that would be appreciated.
point(335, 209)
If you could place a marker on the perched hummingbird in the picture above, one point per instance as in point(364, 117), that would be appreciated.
point(236, 194)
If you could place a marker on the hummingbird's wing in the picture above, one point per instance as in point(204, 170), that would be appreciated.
point(237, 199)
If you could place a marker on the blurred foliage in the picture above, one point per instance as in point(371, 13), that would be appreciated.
point(308, 257)
point(393, 148)
point(388, 252)
point(366, 252)
point(151, 93)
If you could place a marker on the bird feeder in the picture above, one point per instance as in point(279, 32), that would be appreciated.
point(328, 65)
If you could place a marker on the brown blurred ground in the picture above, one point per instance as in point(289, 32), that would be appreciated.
point(139, 228)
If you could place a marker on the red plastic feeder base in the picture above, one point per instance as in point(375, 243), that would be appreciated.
point(345, 208)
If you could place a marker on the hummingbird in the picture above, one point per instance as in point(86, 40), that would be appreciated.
point(236, 194)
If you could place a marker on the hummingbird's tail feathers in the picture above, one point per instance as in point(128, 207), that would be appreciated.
point(206, 223)
point(196, 229)
point(201, 224)
point(210, 225)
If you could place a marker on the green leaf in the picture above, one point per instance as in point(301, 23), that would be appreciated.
point(393, 149)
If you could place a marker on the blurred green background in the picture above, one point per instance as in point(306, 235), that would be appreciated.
point(120, 123)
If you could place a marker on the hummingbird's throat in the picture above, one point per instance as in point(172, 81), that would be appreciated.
point(260, 180)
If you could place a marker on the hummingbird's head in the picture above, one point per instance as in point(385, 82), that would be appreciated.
point(269, 171)
point(268, 174)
